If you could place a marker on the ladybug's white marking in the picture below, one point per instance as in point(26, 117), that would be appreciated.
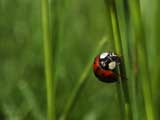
point(112, 54)
point(103, 55)
point(103, 64)
point(112, 65)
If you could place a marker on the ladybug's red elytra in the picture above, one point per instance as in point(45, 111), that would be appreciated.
point(105, 66)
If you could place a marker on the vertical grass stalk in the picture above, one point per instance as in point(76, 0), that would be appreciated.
point(81, 81)
point(139, 33)
point(49, 60)
point(122, 87)
point(155, 55)
point(123, 19)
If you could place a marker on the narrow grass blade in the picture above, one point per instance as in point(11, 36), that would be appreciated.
point(79, 86)
point(49, 60)
point(140, 40)
point(123, 19)
point(122, 85)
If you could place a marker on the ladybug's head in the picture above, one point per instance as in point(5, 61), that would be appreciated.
point(109, 60)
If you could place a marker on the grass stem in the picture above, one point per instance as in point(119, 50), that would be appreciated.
point(79, 86)
point(49, 60)
point(139, 33)
point(123, 89)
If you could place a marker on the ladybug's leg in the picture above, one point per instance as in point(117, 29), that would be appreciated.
point(118, 59)
point(122, 76)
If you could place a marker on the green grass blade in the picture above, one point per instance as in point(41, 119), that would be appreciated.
point(79, 86)
point(123, 18)
point(154, 54)
point(140, 40)
point(122, 85)
point(49, 60)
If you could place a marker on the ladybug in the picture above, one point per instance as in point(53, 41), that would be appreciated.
point(105, 67)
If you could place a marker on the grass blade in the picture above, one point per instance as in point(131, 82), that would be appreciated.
point(79, 86)
point(122, 87)
point(49, 60)
point(143, 69)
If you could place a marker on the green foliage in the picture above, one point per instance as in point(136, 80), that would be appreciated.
point(50, 58)
point(77, 29)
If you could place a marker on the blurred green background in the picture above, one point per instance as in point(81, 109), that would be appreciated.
point(79, 26)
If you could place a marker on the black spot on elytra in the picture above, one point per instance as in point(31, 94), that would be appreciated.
point(97, 69)
point(103, 74)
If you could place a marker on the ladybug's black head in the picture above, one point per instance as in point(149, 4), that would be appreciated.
point(109, 60)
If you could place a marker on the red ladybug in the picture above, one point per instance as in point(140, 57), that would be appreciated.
point(105, 66)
